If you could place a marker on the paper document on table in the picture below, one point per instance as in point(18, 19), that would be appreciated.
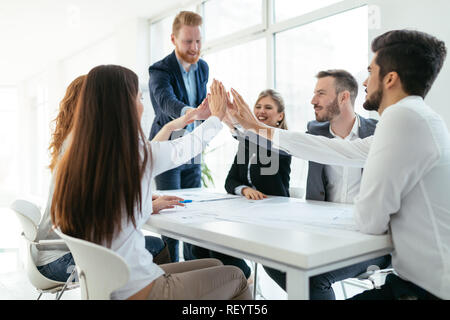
point(199, 196)
point(284, 213)
point(183, 215)
point(298, 213)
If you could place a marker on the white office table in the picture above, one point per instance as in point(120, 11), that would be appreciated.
point(302, 248)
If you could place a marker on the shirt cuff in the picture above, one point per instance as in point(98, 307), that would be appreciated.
point(215, 121)
point(238, 190)
point(183, 111)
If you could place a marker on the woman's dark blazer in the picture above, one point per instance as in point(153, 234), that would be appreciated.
point(276, 184)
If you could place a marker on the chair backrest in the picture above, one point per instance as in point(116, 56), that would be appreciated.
point(29, 216)
point(100, 270)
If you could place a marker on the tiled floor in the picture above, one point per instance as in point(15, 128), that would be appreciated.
point(14, 285)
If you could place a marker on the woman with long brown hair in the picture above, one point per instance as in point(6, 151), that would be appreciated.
point(55, 261)
point(64, 120)
point(103, 188)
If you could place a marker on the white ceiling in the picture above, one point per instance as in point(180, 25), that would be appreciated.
point(34, 33)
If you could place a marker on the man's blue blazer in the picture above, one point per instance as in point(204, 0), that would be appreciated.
point(167, 90)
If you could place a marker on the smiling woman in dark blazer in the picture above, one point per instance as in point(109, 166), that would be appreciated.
point(254, 173)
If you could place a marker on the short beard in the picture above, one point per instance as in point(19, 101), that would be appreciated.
point(188, 58)
point(332, 110)
point(373, 102)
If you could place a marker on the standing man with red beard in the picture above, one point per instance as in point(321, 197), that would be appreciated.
point(177, 86)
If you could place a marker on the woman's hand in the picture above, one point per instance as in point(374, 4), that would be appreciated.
point(217, 100)
point(253, 194)
point(202, 112)
point(165, 202)
point(181, 122)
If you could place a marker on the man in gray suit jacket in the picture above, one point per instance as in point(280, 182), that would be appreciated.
point(334, 99)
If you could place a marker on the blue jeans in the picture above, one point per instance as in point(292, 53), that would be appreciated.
point(154, 245)
point(60, 269)
point(320, 285)
point(182, 177)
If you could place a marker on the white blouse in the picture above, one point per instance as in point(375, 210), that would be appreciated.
point(130, 243)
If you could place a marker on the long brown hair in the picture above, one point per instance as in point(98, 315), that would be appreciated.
point(98, 181)
point(279, 101)
point(63, 122)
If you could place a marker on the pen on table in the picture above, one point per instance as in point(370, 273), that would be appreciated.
point(185, 201)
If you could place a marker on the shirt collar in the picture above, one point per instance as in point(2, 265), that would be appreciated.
point(193, 67)
point(355, 128)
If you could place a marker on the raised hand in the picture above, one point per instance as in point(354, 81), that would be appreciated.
point(228, 119)
point(202, 112)
point(240, 111)
point(217, 99)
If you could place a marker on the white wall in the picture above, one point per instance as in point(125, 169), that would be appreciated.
point(426, 16)
point(128, 46)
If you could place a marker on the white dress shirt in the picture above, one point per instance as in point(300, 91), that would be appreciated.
point(343, 182)
point(238, 189)
point(130, 242)
point(404, 188)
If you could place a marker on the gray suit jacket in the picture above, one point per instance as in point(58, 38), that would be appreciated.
point(316, 186)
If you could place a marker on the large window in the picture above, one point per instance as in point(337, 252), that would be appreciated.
point(330, 43)
point(245, 73)
point(256, 44)
point(9, 184)
point(160, 33)
point(285, 9)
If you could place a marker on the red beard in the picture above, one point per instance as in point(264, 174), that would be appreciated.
point(188, 58)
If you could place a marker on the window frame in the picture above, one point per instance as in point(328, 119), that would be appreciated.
point(267, 29)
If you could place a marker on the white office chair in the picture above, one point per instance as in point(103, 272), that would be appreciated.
point(100, 270)
point(29, 216)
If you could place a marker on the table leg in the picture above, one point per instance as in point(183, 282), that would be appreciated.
point(297, 285)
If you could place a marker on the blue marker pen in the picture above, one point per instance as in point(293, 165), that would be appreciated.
point(185, 201)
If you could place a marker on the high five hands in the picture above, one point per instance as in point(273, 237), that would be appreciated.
point(218, 103)
point(202, 112)
point(230, 112)
point(217, 99)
